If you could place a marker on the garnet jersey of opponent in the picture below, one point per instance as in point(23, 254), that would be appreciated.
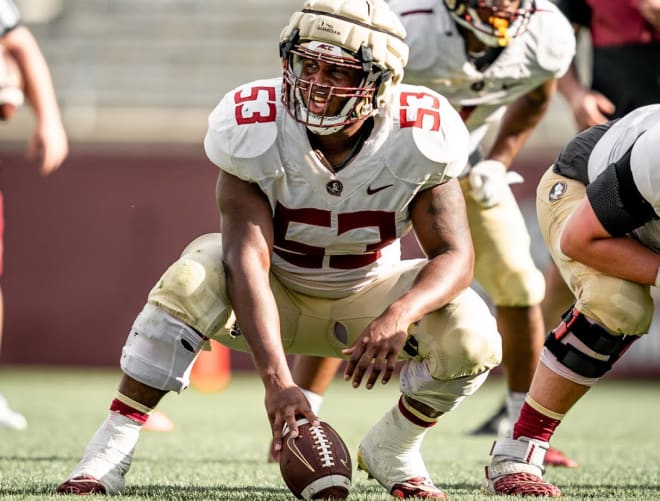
point(336, 232)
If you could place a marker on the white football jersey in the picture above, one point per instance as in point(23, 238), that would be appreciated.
point(642, 127)
point(336, 232)
point(438, 59)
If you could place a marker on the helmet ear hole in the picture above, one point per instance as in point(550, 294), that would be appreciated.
point(287, 45)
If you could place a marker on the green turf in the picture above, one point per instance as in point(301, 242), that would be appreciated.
point(219, 446)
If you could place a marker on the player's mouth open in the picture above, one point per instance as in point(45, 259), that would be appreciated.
point(318, 103)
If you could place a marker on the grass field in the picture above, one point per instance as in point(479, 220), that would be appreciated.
point(218, 449)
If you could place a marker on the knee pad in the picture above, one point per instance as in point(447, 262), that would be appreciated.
point(160, 350)
point(584, 351)
point(443, 395)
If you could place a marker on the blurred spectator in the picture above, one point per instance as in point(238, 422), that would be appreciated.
point(625, 39)
point(23, 71)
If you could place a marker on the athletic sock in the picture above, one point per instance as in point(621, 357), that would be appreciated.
point(536, 421)
point(391, 449)
point(514, 402)
point(414, 416)
point(130, 408)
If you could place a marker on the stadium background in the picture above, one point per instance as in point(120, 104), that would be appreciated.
point(136, 80)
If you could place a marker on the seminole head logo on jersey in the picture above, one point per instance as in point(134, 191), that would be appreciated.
point(557, 191)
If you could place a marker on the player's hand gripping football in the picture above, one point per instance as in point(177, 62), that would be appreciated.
point(376, 350)
point(282, 406)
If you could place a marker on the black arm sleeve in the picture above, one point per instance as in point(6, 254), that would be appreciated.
point(573, 161)
point(617, 202)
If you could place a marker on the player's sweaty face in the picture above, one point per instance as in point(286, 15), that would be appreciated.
point(325, 85)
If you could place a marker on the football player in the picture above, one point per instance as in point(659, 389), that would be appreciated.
point(322, 171)
point(598, 208)
point(49, 138)
point(23, 72)
point(497, 61)
point(625, 40)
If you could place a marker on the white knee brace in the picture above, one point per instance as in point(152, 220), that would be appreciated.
point(160, 350)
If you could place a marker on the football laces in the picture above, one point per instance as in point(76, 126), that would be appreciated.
point(322, 444)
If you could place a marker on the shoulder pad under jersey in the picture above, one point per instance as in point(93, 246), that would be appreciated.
point(437, 129)
point(243, 127)
point(554, 36)
point(644, 160)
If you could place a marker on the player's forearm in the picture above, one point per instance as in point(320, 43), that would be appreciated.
point(256, 311)
point(520, 120)
point(650, 9)
point(621, 257)
point(440, 223)
point(585, 239)
point(38, 82)
point(570, 87)
point(439, 282)
point(247, 245)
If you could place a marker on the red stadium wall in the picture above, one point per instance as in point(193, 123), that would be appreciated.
point(84, 245)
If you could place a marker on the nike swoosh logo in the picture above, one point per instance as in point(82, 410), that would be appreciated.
point(371, 191)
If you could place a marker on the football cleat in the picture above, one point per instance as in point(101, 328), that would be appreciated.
point(390, 454)
point(103, 474)
point(11, 419)
point(556, 457)
point(517, 468)
point(81, 486)
point(415, 487)
point(106, 460)
point(522, 484)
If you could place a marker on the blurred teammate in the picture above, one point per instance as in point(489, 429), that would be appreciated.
point(625, 74)
point(48, 141)
point(321, 173)
point(23, 71)
point(497, 62)
point(598, 208)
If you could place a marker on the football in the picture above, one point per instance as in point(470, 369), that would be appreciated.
point(316, 464)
